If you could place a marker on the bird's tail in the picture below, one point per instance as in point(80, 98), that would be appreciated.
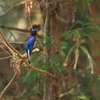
point(28, 56)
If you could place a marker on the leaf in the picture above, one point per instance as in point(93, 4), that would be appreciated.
point(89, 58)
point(70, 92)
point(70, 51)
point(76, 58)
point(77, 22)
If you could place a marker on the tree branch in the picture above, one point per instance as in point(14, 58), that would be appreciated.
point(33, 52)
point(18, 29)
point(9, 84)
point(5, 57)
point(21, 3)
point(13, 28)
point(23, 59)
point(15, 43)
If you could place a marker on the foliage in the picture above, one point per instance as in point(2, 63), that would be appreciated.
point(82, 38)
point(76, 43)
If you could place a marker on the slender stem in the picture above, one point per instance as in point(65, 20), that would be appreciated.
point(9, 10)
point(10, 45)
point(23, 59)
point(9, 84)
point(41, 71)
point(5, 57)
point(13, 28)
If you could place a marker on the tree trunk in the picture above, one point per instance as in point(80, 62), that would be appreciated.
point(56, 15)
point(95, 12)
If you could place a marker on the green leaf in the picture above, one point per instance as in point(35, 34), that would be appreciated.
point(89, 58)
point(70, 92)
point(70, 51)
point(76, 58)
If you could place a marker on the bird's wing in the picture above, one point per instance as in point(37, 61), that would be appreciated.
point(29, 46)
point(31, 41)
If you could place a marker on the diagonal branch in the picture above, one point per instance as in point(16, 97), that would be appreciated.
point(33, 52)
point(13, 28)
point(22, 30)
point(23, 59)
point(9, 84)
point(9, 10)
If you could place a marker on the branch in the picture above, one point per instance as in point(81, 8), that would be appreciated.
point(23, 59)
point(13, 28)
point(18, 29)
point(9, 84)
point(18, 43)
point(33, 52)
point(5, 57)
point(15, 43)
point(21, 3)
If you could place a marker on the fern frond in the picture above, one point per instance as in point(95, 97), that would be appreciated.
point(89, 58)
point(70, 51)
point(76, 58)
point(88, 36)
point(68, 34)
point(77, 22)
point(77, 34)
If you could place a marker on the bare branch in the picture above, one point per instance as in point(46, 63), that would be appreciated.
point(36, 27)
point(8, 86)
point(23, 59)
point(5, 57)
point(13, 28)
point(9, 10)
point(33, 52)
point(17, 69)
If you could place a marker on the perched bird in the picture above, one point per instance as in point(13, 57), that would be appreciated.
point(30, 44)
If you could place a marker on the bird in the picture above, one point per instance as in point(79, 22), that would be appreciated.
point(30, 44)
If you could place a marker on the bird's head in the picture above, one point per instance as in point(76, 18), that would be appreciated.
point(33, 33)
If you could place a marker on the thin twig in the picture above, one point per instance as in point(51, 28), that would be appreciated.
point(13, 28)
point(23, 59)
point(16, 43)
point(18, 29)
point(9, 10)
point(7, 43)
point(5, 57)
point(5, 50)
point(8, 86)
point(41, 71)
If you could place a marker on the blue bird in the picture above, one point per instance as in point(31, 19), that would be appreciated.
point(30, 44)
